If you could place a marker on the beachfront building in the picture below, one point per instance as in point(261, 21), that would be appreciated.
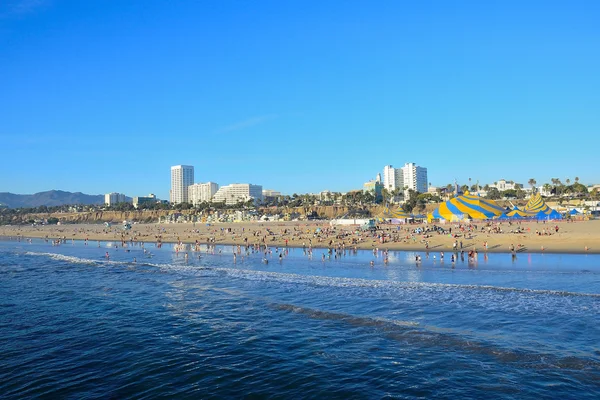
point(201, 192)
point(270, 193)
point(270, 196)
point(503, 184)
point(414, 178)
point(392, 178)
point(325, 195)
point(182, 176)
point(238, 192)
point(141, 200)
point(110, 199)
point(376, 188)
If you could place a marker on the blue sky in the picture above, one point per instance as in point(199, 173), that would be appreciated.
point(298, 96)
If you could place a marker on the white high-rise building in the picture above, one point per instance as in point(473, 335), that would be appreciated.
point(110, 199)
point(236, 192)
point(182, 176)
point(392, 178)
point(200, 192)
point(415, 178)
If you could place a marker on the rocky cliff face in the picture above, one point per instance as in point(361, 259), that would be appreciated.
point(328, 212)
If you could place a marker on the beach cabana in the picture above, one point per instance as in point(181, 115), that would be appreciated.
point(467, 206)
point(574, 211)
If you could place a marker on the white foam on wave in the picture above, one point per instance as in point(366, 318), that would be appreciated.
point(62, 257)
point(318, 280)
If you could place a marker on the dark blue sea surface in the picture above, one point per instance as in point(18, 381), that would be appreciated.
point(76, 325)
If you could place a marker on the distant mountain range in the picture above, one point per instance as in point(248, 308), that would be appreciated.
point(49, 198)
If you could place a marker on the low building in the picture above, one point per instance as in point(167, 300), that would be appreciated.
point(376, 188)
point(270, 195)
point(238, 192)
point(141, 200)
point(503, 184)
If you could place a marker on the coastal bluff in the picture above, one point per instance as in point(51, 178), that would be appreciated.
point(149, 216)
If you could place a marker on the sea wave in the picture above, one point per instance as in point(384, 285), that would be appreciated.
point(318, 280)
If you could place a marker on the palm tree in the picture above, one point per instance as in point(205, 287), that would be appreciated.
point(568, 181)
point(576, 179)
point(531, 182)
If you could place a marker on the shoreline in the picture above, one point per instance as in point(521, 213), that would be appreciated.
point(571, 238)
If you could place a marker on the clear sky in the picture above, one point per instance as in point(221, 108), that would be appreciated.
point(298, 96)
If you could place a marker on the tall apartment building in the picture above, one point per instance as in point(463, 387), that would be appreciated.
point(110, 199)
point(415, 178)
point(392, 178)
point(182, 176)
point(236, 192)
point(201, 192)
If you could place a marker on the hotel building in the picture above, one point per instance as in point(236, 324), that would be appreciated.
point(238, 192)
point(201, 192)
point(182, 176)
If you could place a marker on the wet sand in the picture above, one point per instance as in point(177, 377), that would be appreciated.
point(572, 237)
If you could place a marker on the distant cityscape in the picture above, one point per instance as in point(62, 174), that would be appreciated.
point(395, 185)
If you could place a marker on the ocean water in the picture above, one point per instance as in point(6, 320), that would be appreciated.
point(76, 325)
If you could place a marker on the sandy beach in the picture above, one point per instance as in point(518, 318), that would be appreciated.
point(551, 237)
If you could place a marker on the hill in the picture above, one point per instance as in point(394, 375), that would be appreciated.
point(49, 198)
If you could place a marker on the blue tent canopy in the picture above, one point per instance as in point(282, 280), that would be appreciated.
point(542, 215)
point(574, 211)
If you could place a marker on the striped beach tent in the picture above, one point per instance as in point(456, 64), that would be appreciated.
point(516, 213)
point(467, 206)
point(389, 213)
point(537, 207)
point(536, 204)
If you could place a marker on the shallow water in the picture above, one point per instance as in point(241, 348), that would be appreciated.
point(74, 324)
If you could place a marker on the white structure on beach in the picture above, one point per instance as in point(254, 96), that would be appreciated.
point(200, 192)
point(392, 178)
point(182, 176)
point(414, 178)
point(236, 192)
point(110, 199)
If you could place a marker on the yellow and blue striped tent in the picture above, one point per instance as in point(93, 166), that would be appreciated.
point(516, 213)
point(537, 204)
point(389, 213)
point(537, 208)
point(466, 206)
